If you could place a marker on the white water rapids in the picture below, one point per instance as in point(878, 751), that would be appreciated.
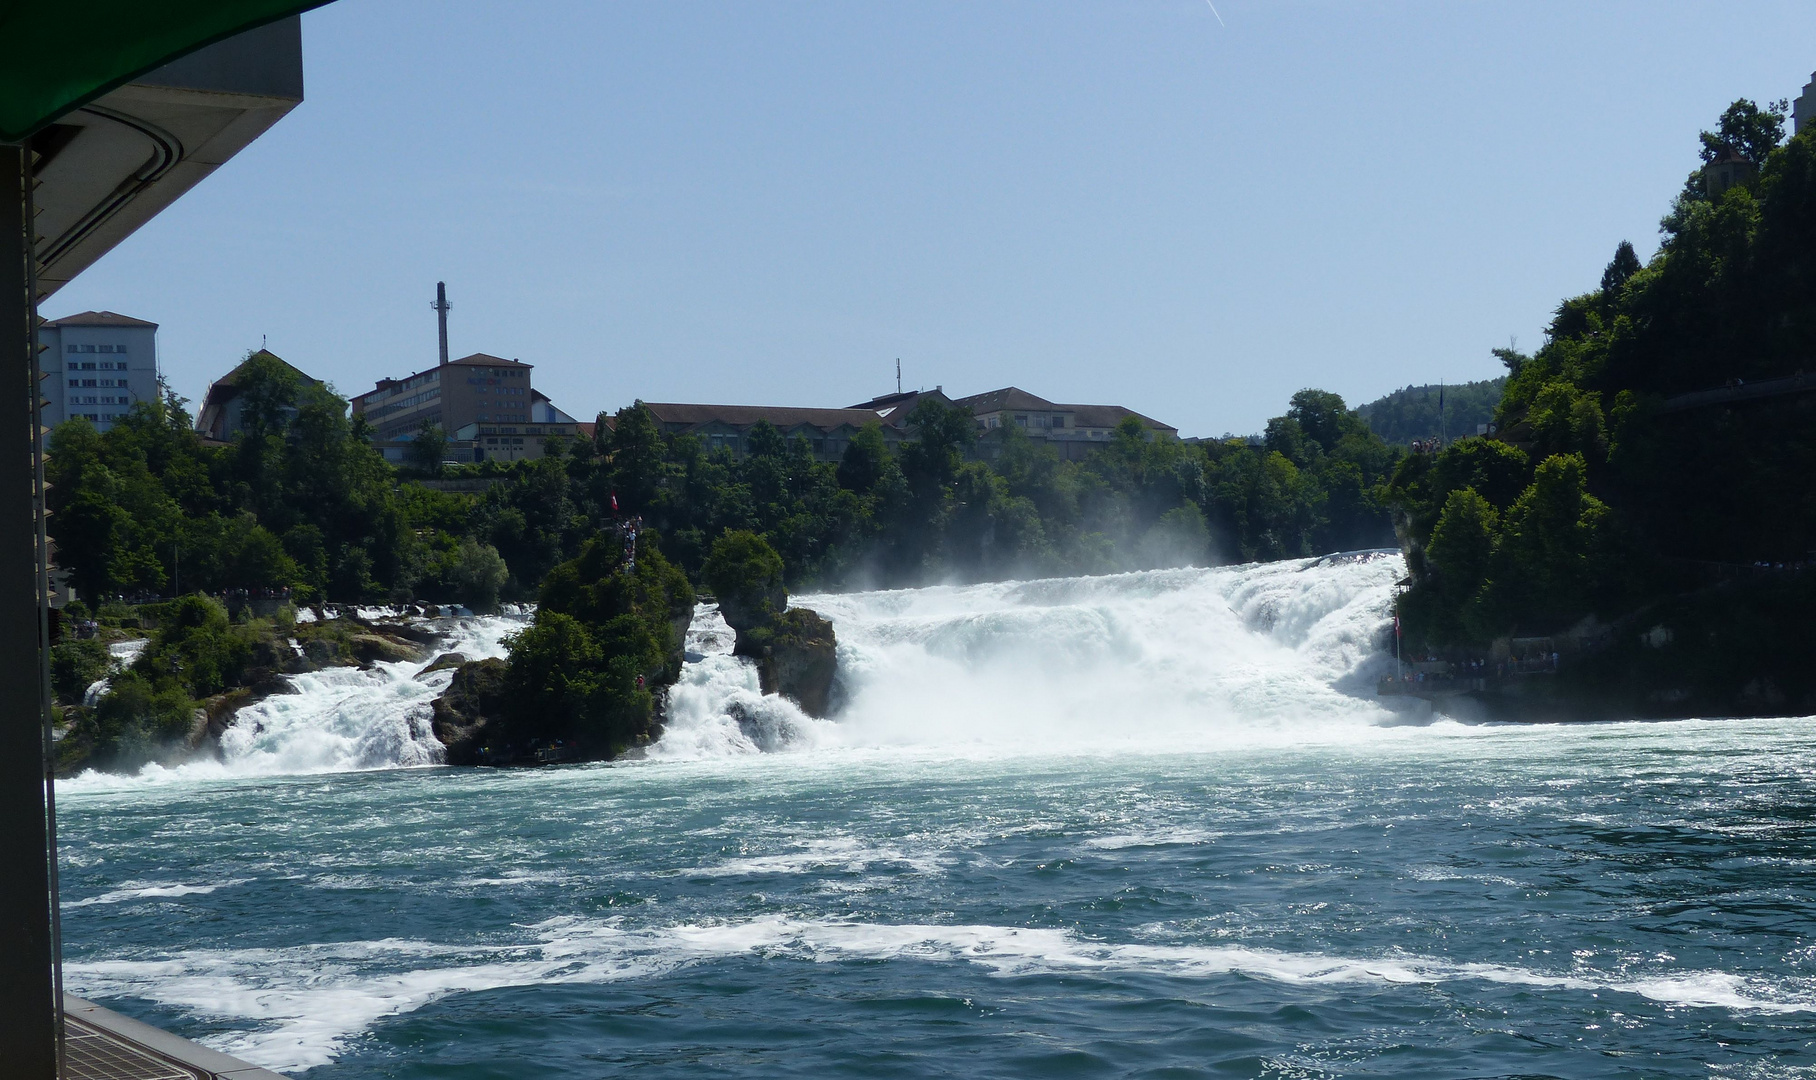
point(1156, 660)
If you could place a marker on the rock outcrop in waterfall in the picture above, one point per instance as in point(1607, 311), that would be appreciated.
point(795, 649)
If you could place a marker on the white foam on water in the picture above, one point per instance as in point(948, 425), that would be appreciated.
point(1160, 660)
point(304, 1004)
point(718, 708)
point(1156, 661)
point(336, 719)
point(140, 890)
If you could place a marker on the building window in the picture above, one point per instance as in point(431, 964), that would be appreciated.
point(75, 382)
point(1022, 420)
point(1059, 421)
point(88, 382)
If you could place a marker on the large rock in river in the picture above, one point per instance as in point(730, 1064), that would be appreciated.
point(469, 710)
point(797, 657)
point(376, 648)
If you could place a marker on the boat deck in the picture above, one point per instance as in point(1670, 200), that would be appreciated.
point(99, 1044)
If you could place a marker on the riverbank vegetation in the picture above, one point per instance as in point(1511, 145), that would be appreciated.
point(1652, 470)
point(302, 502)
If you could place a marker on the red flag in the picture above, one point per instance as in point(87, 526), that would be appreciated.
point(614, 502)
point(1396, 624)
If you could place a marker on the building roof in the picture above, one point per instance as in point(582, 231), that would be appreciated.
point(388, 386)
point(1015, 399)
point(227, 387)
point(102, 318)
point(480, 359)
point(232, 378)
point(1108, 416)
point(781, 416)
point(1008, 398)
point(893, 409)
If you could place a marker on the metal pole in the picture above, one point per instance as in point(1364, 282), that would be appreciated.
point(441, 315)
point(30, 1016)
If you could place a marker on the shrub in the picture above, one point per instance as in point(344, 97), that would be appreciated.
point(74, 667)
point(198, 647)
point(745, 574)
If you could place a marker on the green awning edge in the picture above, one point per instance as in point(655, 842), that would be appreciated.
point(63, 54)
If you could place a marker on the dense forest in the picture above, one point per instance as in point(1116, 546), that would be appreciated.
point(301, 501)
point(1656, 454)
point(1413, 413)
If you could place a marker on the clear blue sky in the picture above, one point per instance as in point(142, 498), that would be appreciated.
point(1103, 201)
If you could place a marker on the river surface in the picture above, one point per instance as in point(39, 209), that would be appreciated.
point(1127, 826)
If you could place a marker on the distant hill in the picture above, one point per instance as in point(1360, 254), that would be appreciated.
point(1412, 413)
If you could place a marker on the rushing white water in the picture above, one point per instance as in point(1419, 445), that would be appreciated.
point(342, 719)
point(1158, 660)
point(1162, 659)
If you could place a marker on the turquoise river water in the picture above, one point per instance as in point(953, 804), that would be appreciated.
point(1139, 826)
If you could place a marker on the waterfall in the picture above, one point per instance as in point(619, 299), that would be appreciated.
point(1161, 659)
point(1150, 661)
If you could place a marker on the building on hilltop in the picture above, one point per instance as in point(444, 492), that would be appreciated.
point(96, 365)
point(1729, 169)
point(1803, 110)
point(220, 417)
point(485, 404)
point(473, 389)
point(1072, 431)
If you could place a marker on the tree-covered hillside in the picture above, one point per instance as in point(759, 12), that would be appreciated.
point(1412, 413)
point(1633, 464)
point(302, 501)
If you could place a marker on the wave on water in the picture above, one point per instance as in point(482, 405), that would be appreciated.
point(302, 1005)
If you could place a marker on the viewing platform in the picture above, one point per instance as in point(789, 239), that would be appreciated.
point(1433, 680)
point(100, 1044)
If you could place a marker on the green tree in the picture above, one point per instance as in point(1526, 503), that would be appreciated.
point(1555, 557)
point(429, 448)
point(745, 575)
point(478, 575)
point(1749, 130)
point(1460, 555)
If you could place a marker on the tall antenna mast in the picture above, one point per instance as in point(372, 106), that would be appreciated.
point(441, 307)
point(898, 374)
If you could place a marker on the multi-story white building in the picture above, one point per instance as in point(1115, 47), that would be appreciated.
point(97, 364)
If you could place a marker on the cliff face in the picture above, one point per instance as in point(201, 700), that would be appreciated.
point(797, 657)
point(466, 714)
